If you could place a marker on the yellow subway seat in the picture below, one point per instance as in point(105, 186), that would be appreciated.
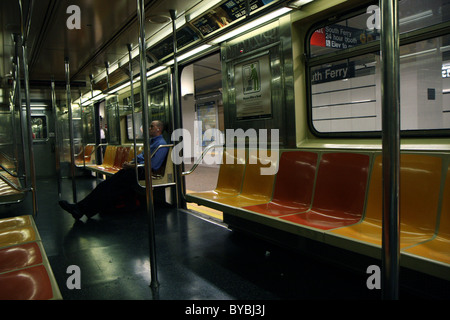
point(256, 188)
point(439, 248)
point(229, 181)
point(14, 222)
point(420, 177)
point(110, 155)
point(16, 236)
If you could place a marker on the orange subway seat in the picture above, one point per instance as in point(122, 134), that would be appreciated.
point(26, 284)
point(130, 157)
point(293, 185)
point(117, 158)
point(339, 193)
point(108, 160)
point(86, 155)
point(438, 248)
point(110, 156)
point(229, 181)
point(21, 256)
point(420, 177)
point(120, 157)
point(131, 153)
point(88, 150)
point(257, 187)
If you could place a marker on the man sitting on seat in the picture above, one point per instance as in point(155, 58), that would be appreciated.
point(123, 181)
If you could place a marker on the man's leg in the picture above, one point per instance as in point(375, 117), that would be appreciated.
point(105, 193)
point(108, 191)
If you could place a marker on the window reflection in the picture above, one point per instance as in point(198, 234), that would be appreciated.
point(39, 127)
point(360, 30)
point(345, 95)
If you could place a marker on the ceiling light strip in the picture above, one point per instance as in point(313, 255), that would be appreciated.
point(251, 25)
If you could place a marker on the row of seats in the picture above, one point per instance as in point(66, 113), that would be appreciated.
point(85, 155)
point(113, 160)
point(11, 190)
point(25, 273)
point(336, 198)
point(116, 155)
point(8, 193)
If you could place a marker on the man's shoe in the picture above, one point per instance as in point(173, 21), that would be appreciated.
point(72, 209)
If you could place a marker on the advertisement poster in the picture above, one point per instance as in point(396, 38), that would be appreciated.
point(253, 92)
point(207, 115)
point(225, 14)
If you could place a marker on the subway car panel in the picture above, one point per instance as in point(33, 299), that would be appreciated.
point(305, 147)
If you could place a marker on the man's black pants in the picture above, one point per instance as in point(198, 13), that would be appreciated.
point(121, 184)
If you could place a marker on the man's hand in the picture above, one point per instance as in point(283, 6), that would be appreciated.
point(128, 165)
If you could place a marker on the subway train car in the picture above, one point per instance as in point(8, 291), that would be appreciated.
point(306, 151)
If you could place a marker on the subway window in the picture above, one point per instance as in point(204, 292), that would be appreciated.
point(345, 93)
point(349, 33)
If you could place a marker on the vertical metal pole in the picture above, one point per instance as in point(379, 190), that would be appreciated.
point(91, 82)
point(30, 133)
point(83, 136)
point(55, 117)
point(12, 108)
point(18, 100)
point(107, 74)
point(25, 32)
point(99, 152)
point(72, 151)
point(177, 112)
point(91, 78)
point(133, 122)
point(148, 174)
point(390, 92)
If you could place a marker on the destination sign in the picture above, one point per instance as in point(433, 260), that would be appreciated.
point(333, 73)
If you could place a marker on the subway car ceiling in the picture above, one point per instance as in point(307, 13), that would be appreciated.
point(98, 45)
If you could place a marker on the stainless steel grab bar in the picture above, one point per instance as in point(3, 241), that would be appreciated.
point(207, 149)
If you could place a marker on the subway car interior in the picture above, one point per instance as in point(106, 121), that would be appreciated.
point(307, 142)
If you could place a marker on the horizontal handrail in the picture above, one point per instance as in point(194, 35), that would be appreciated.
point(11, 160)
point(7, 156)
point(14, 185)
point(15, 175)
point(82, 151)
point(154, 152)
point(83, 147)
point(207, 149)
point(161, 146)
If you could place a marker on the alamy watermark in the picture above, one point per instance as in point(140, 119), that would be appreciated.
point(74, 280)
point(373, 22)
point(237, 140)
point(74, 20)
point(374, 280)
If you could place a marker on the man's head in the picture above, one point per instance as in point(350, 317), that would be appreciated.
point(156, 128)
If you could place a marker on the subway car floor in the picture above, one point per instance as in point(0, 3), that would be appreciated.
point(197, 259)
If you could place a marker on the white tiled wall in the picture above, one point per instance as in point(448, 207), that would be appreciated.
point(355, 104)
point(351, 102)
